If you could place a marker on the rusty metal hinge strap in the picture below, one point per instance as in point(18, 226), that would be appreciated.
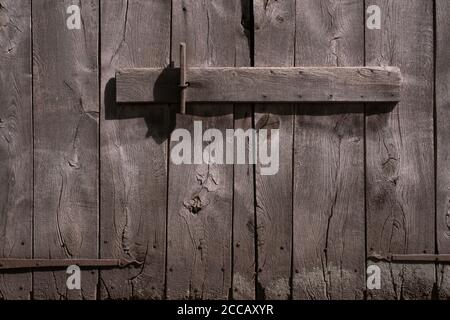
point(411, 258)
point(11, 264)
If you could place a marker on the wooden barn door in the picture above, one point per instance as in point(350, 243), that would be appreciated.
point(84, 177)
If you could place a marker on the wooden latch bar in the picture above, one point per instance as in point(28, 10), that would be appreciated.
point(260, 85)
point(15, 264)
point(257, 85)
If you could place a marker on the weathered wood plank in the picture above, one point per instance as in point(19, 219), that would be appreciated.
point(244, 286)
point(329, 212)
point(274, 46)
point(200, 198)
point(443, 141)
point(400, 150)
point(65, 102)
point(244, 258)
point(134, 33)
point(199, 221)
point(261, 85)
point(16, 152)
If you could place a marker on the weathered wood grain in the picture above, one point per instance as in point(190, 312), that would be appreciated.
point(267, 85)
point(16, 161)
point(134, 33)
point(199, 221)
point(329, 160)
point(244, 258)
point(211, 229)
point(244, 286)
point(274, 46)
point(200, 198)
point(443, 141)
point(400, 150)
point(65, 108)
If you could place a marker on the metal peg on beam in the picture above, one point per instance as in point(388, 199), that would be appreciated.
point(183, 78)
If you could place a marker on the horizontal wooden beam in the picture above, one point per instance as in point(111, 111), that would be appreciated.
point(260, 85)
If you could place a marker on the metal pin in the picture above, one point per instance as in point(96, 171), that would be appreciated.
point(183, 83)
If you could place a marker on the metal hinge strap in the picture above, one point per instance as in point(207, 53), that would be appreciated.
point(411, 258)
point(11, 264)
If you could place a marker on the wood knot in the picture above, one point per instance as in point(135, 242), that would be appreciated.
point(195, 205)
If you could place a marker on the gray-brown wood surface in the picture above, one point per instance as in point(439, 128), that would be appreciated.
point(66, 159)
point(133, 152)
point(274, 46)
point(82, 176)
point(268, 85)
point(443, 142)
point(16, 141)
point(244, 232)
point(200, 199)
point(244, 257)
point(400, 184)
point(329, 161)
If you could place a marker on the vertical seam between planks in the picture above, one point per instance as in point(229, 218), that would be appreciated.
point(230, 292)
point(294, 117)
point(295, 32)
point(252, 63)
point(291, 277)
point(167, 204)
point(365, 161)
point(252, 33)
point(255, 201)
point(252, 115)
point(171, 34)
point(231, 289)
point(435, 140)
point(164, 293)
point(255, 217)
point(99, 68)
point(170, 110)
point(32, 144)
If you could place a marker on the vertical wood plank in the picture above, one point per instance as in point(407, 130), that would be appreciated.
point(400, 153)
point(275, 46)
point(134, 33)
point(443, 141)
point(329, 237)
point(65, 99)
point(16, 157)
point(244, 286)
point(243, 192)
point(200, 198)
